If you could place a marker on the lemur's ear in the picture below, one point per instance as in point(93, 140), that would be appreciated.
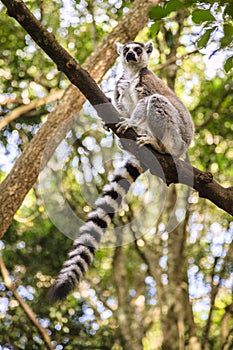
point(149, 47)
point(119, 47)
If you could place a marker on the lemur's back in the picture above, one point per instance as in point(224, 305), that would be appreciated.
point(152, 84)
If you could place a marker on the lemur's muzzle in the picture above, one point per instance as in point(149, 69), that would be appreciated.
point(131, 57)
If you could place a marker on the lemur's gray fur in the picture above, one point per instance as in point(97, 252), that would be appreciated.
point(159, 117)
point(148, 105)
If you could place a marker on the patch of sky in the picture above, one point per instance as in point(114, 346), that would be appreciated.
point(164, 279)
point(194, 232)
point(107, 141)
point(25, 293)
point(202, 307)
point(67, 13)
point(163, 262)
point(4, 303)
point(2, 286)
point(180, 214)
point(138, 188)
point(90, 110)
point(106, 314)
point(57, 327)
point(59, 347)
point(90, 143)
point(111, 302)
point(2, 245)
point(132, 292)
point(20, 245)
point(197, 286)
point(8, 155)
point(37, 340)
point(37, 14)
point(100, 307)
point(95, 326)
point(45, 322)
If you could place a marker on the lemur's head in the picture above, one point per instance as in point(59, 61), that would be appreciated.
point(135, 54)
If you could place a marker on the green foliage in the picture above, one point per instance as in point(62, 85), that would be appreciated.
point(208, 15)
point(200, 16)
point(204, 39)
point(228, 65)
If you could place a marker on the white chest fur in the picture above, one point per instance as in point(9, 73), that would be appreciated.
point(129, 93)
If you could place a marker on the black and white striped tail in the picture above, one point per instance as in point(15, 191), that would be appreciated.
point(84, 247)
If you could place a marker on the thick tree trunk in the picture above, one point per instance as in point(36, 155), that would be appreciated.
point(131, 337)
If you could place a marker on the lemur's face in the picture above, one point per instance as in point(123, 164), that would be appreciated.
point(135, 53)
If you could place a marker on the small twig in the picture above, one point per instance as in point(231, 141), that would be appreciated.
point(28, 311)
point(174, 59)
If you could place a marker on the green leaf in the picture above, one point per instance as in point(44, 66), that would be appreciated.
point(228, 33)
point(173, 5)
point(157, 12)
point(228, 29)
point(154, 29)
point(203, 40)
point(228, 65)
point(200, 16)
point(169, 38)
point(229, 11)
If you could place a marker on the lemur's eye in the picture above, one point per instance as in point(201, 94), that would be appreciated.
point(138, 50)
point(125, 51)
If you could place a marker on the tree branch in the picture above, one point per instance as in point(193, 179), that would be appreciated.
point(28, 166)
point(174, 59)
point(169, 169)
point(28, 311)
point(19, 111)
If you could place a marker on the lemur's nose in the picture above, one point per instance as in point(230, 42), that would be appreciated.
point(130, 56)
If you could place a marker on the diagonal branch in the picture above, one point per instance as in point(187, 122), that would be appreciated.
point(28, 311)
point(169, 169)
point(21, 110)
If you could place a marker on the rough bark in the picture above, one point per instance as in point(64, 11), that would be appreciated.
point(26, 169)
point(131, 338)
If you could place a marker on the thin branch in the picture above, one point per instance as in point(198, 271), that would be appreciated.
point(11, 100)
point(19, 111)
point(214, 292)
point(91, 9)
point(28, 311)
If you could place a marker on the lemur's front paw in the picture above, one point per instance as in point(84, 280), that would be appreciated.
point(143, 140)
point(123, 125)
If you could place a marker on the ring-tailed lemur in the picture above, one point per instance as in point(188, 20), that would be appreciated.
point(148, 105)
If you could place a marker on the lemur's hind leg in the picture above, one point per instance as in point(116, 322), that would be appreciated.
point(163, 123)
